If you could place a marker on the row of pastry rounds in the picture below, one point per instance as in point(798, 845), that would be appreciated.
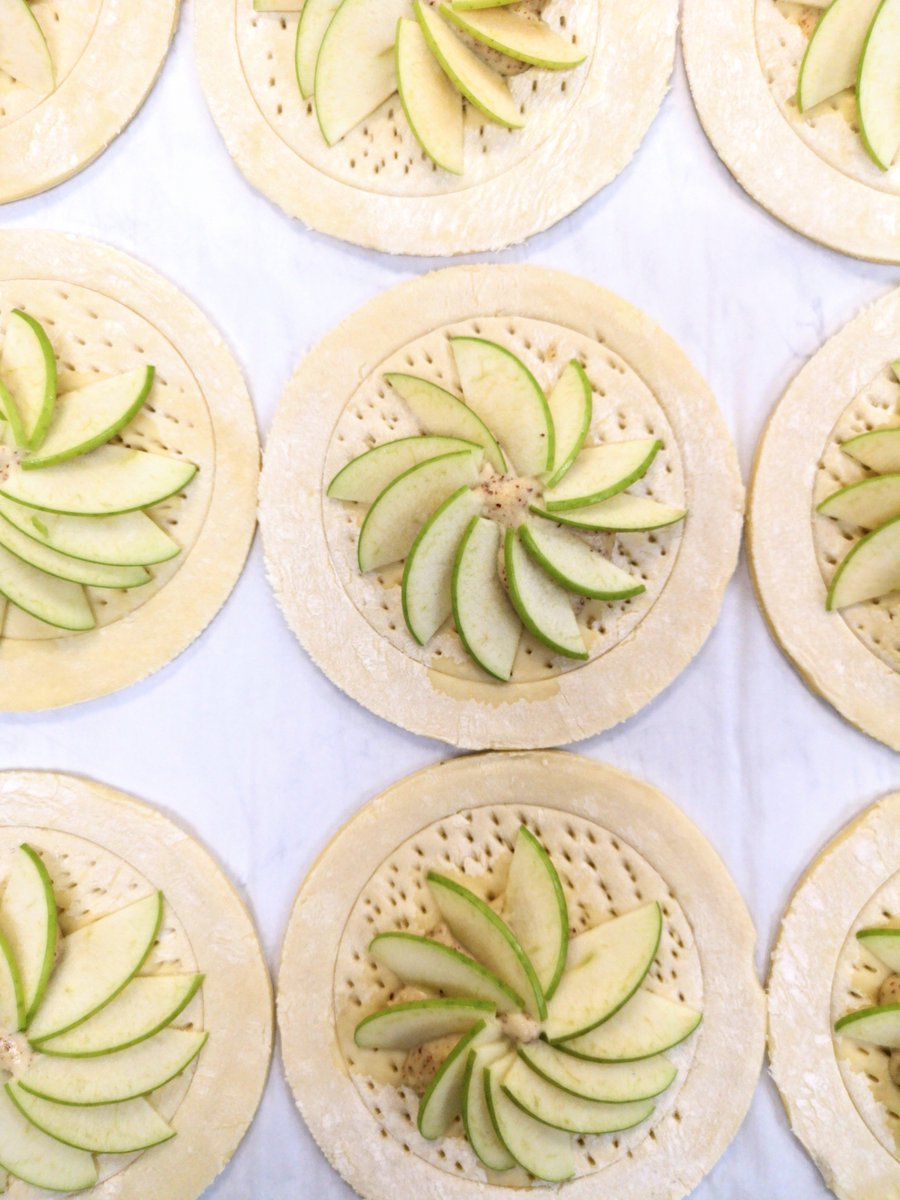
point(458, 816)
point(582, 126)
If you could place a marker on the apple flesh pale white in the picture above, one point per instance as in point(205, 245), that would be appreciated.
point(60, 566)
point(433, 106)
point(29, 923)
point(549, 1104)
point(528, 41)
point(647, 1025)
point(601, 472)
point(868, 504)
point(100, 1129)
point(12, 1002)
point(428, 570)
point(877, 1026)
point(405, 1026)
point(421, 962)
point(543, 606)
point(364, 478)
point(127, 540)
point(24, 54)
point(622, 513)
point(477, 1121)
point(485, 620)
point(877, 93)
point(37, 1159)
point(609, 1083)
point(442, 1102)
point(884, 944)
point(571, 405)
point(574, 565)
point(56, 602)
point(870, 570)
point(315, 18)
point(832, 56)
point(534, 908)
point(28, 371)
point(541, 1149)
point(878, 450)
point(441, 413)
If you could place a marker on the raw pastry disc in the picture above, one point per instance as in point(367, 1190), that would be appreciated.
point(107, 313)
point(110, 849)
point(809, 170)
point(337, 405)
point(617, 841)
point(376, 187)
point(818, 974)
point(852, 657)
point(107, 57)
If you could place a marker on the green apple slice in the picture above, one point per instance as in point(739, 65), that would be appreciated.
point(29, 922)
point(101, 1129)
point(440, 412)
point(112, 480)
point(401, 510)
point(508, 398)
point(481, 86)
point(868, 503)
point(544, 1151)
point(88, 417)
point(24, 53)
point(315, 18)
point(60, 566)
point(611, 1083)
point(96, 963)
point(575, 565)
point(543, 606)
point(57, 602)
point(115, 1077)
point(571, 406)
point(442, 1102)
point(605, 967)
point(877, 94)
point(878, 1026)
point(620, 513)
point(531, 42)
point(127, 540)
point(146, 1006)
point(477, 1121)
point(405, 1026)
point(361, 34)
point(433, 106)
point(12, 1000)
point(489, 939)
point(364, 478)
point(884, 944)
point(485, 620)
point(534, 907)
point(558, 1109)
point(647, 1025)
point(832, 56)
point(601, 472)
point(463, 5)
point(428, 571)
point(28, 370)
point(37, 1159)
point(422, 962)
point(879, 450)
point(870, 570)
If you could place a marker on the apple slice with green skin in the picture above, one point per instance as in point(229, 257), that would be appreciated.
point(127, 540)
point(884, 944)
point(477, 1121)
point(364, 478)
point(428, 571)
point(100, 1129)
point(315, 18)
point(28, 370)
point(481, 86)
point(24, 53)
point(601, 472)
point(28, 920)
point(575, 566)
point(571, 406)
point(508, 398)
point(96, 963)
point(534, 908)
point(37, 1159)
point(605, 967)
point(12, 1000)
point(60, 566)
point(362, 34)
point(543, 606)
point(433, 106)
point(405, 1026)
point(832, 56)
point(148, 1005)
point(868, 503)
point(647, 1025)
point(56, 602)
point(115, 1077)
point(531, 42)
point(622, 513)
point(879, 450)
point(442, 1102)
point(558, 1109)
point(422, 962)
point(610, 1083)
point(870, 570)
point(544, 1151)
point(394, 520)
point(485, 620)
point(877, 94)
point(878, 1026)
point(88, 417)
point(477, 927)
point(441, 413)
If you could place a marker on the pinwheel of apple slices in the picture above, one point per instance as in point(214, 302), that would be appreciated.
point(515, 988)
point(502, 514)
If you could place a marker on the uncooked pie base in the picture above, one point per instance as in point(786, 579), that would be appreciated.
point(105, 850)
point(833, 657)
point(627, 844)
